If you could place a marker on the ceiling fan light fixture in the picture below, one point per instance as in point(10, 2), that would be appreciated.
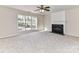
point(41, 10)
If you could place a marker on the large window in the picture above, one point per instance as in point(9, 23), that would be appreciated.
point(27, 22)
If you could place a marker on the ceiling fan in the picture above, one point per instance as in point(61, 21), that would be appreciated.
point(43, 8)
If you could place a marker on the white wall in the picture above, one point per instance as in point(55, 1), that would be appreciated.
point(8, 21)
point(47, 24)
point(40, 22)
point(58, 17)
point(72, 22)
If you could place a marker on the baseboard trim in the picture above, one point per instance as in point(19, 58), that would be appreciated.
point(16, 34)
point(72, 35)
point(9, 36)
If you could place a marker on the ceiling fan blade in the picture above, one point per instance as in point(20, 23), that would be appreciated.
point(47, 7)
point(36, 9)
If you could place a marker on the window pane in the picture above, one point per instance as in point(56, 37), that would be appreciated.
point(21, 22)
point(28, 23)
point(34, 23)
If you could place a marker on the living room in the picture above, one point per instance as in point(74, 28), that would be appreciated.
point(39, 28)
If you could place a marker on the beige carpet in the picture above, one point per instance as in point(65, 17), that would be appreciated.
point(39, 42)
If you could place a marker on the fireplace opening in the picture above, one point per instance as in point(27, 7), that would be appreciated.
point(58, 28)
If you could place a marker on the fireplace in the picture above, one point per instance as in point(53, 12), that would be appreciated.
point(57, 28)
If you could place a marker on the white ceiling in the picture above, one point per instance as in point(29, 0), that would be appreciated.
point(32, 8)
